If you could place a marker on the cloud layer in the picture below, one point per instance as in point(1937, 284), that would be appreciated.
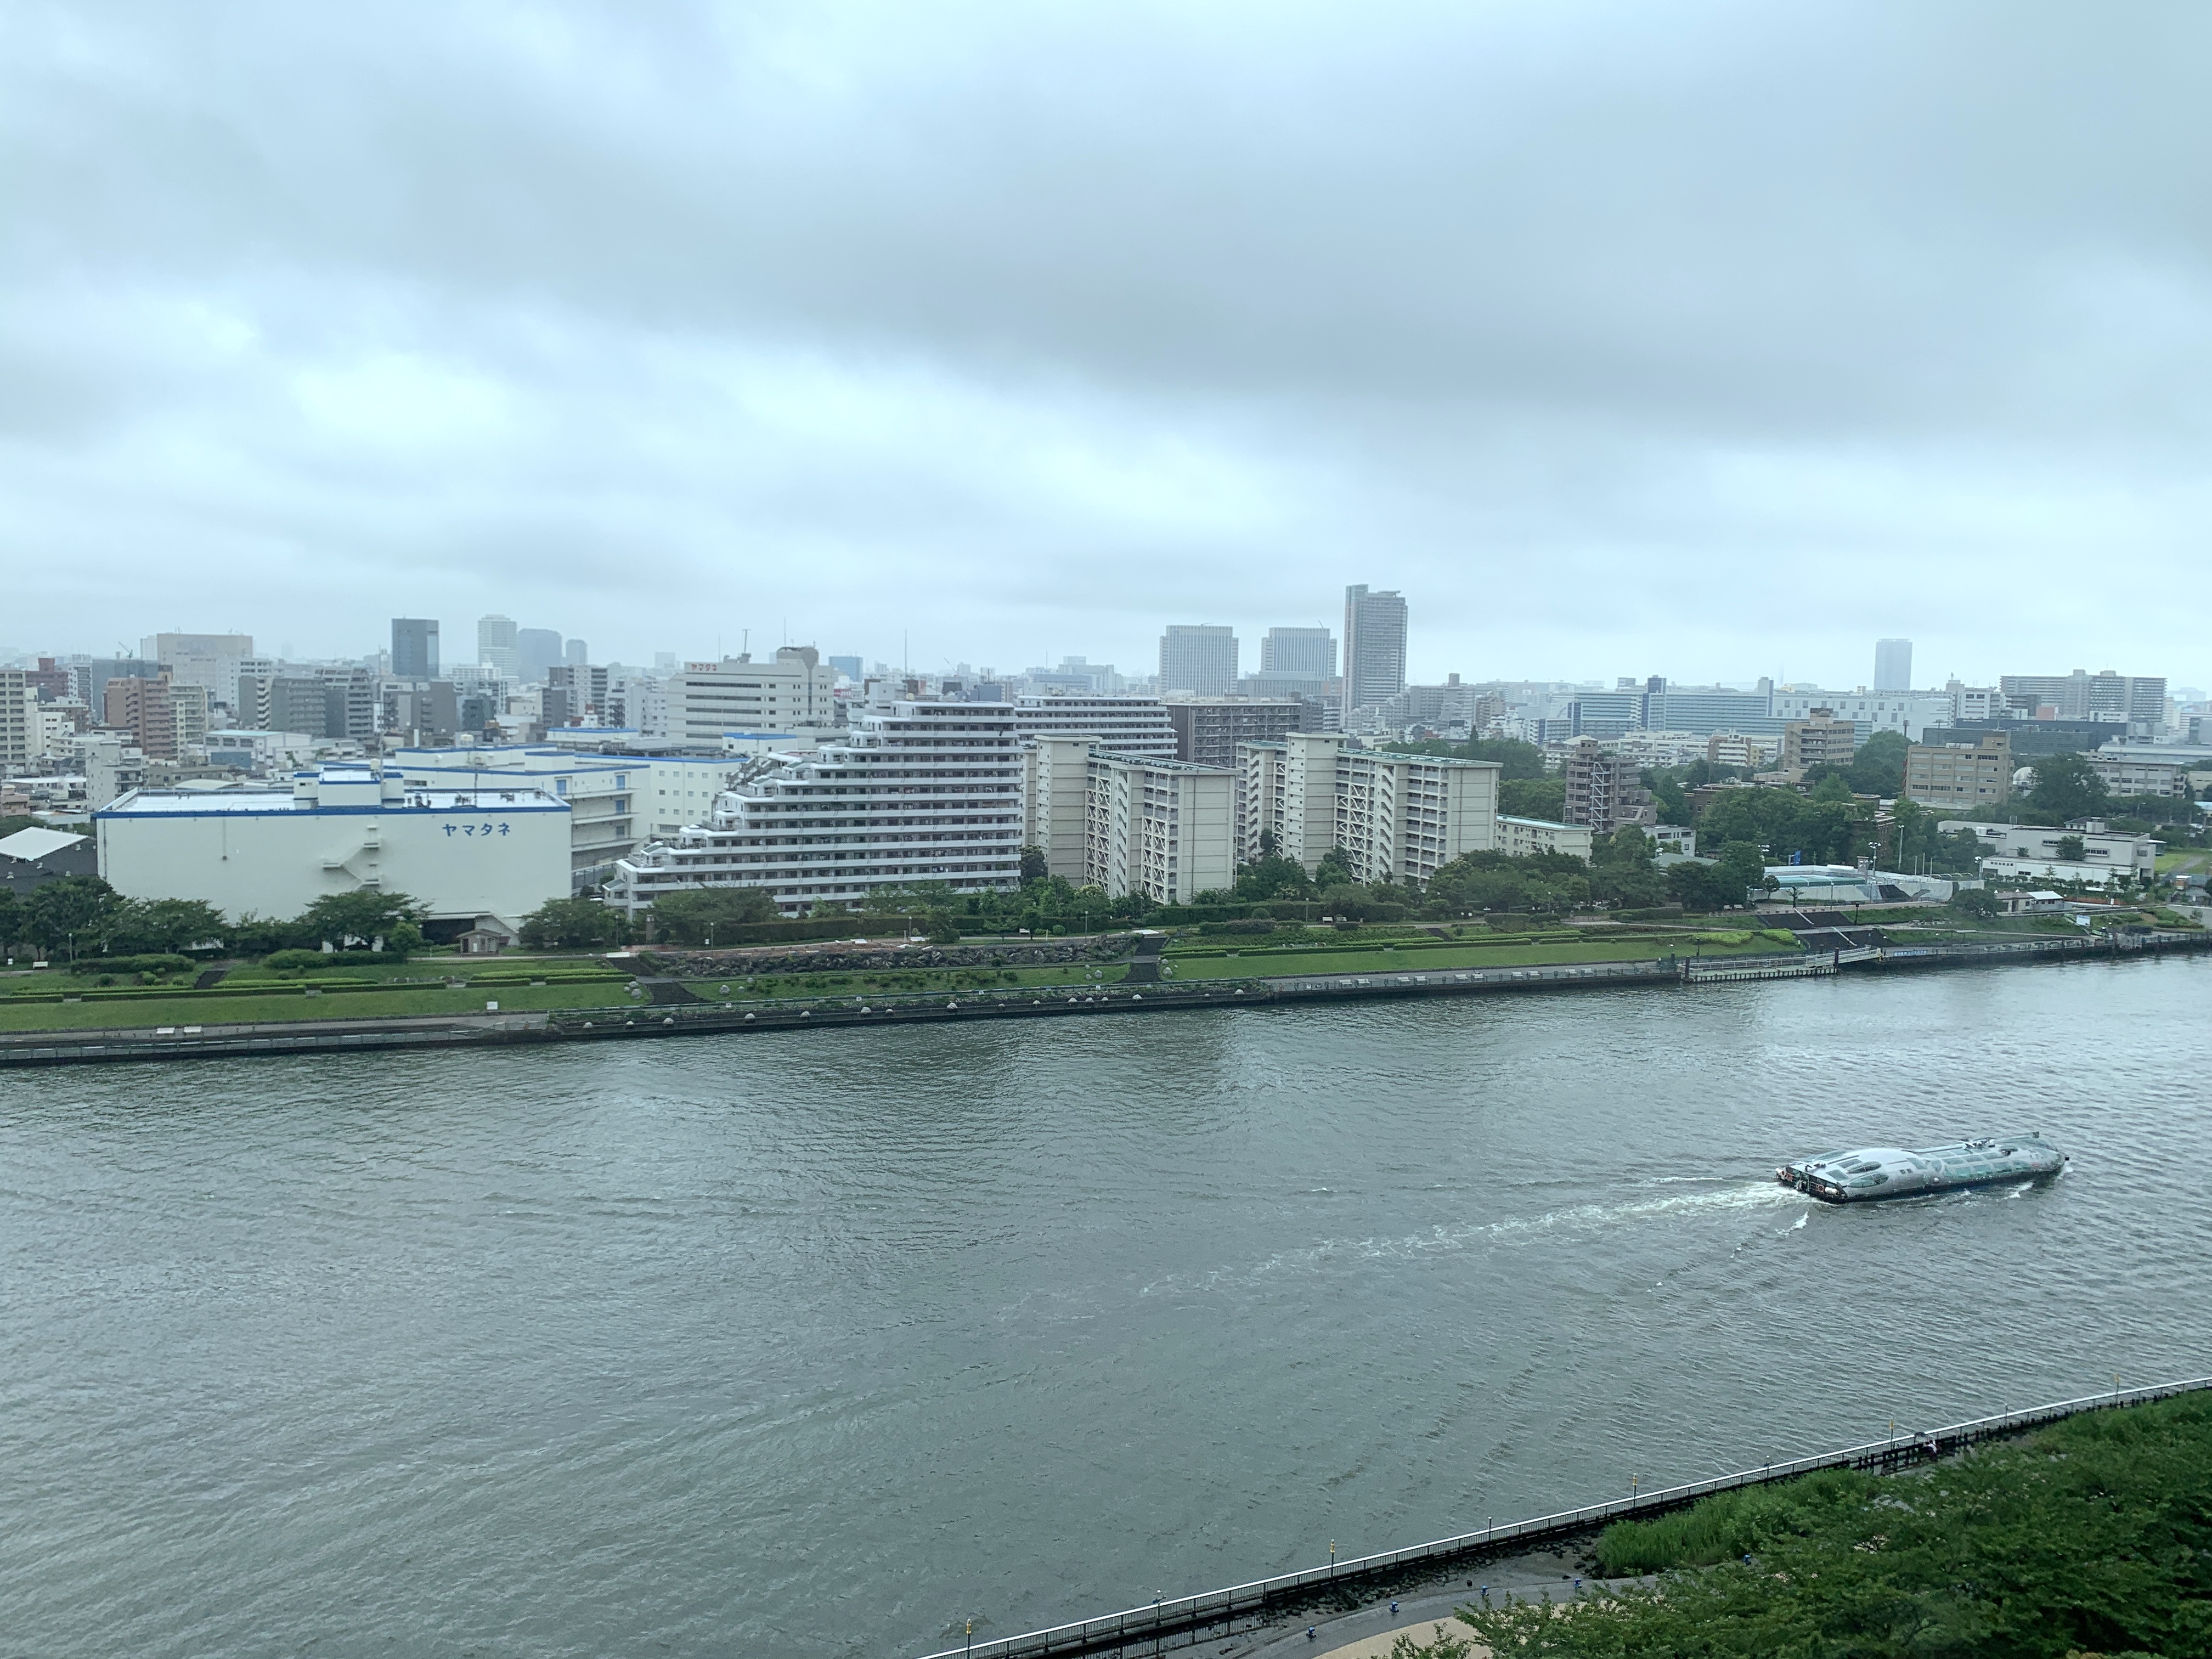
point(1711, 339)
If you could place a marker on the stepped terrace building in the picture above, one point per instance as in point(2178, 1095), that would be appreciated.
point(919, 792)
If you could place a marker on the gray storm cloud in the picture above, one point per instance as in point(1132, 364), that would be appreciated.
point(1707, 339)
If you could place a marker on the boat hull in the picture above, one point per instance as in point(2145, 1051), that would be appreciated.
point(1873, 1174)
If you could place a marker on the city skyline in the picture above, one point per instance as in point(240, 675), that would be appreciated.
point(1678, 356)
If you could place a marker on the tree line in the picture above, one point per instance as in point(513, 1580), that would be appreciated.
point(81, 917)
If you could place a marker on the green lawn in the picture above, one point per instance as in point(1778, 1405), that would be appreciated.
point(1298, 964)
point(786, 986)
point(140, 1012)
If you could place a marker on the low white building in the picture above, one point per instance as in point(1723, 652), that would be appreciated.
point(2133, 856)
point(2082, 873)
point(1523, 837)
point(918, 791)
point(487, 854)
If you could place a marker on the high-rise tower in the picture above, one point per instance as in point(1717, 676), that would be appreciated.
point(414, 648)
point(1374, 646)
point(1893, 664)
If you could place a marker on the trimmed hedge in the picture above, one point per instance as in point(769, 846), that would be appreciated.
point(285, 961)
point(163, 963)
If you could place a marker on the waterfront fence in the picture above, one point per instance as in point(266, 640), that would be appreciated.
point(1212, 1614)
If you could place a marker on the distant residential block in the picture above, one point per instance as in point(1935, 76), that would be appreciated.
point(1208, 729)
point(1956, 776)
point(1818, 739)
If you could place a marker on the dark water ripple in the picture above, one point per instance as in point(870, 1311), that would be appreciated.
point(794, 1347)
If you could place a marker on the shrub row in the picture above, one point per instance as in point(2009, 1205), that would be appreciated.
point(161, 963)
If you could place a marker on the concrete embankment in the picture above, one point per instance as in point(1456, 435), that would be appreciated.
point(652, 1015)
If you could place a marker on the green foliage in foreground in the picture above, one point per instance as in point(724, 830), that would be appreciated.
point(2093, 1536)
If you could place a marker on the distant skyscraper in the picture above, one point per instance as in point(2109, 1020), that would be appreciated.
point(576, 655)
point(1197, 658)
point(848, 666)
point(495, 644)
point(536, 650)
point(414, 648)
point(1374, 646)
point(1307, 652)
point(1893, 664)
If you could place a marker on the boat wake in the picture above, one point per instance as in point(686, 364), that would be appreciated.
point(1750, 1198)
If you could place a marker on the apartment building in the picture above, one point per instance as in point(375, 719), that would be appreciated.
point(1208, 729)
point(918, 791)
point(1163, 828)
point(1056, 801)
point(1287, 793)
point(1118, 725)
point(1398, 818)
point(796, 688)
point(1960, 777)
point(165, 719)
point(1818, 739)
point(2127, 775)
point(1602, 789)
point(20, 737)
point(1734, 749)
point(2136, 701)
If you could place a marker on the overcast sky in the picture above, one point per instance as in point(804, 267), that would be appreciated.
point(1701, 339)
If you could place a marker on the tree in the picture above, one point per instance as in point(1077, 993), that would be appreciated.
point(691, 916)
point(165, 926)
point(76, 913)
point(1533, 797)
point(1699, 885)
point(2067, 788)
point(2072, 849)
point(1740, 868)
point(1878, 768)
point(361, 917)
point(1977, 901)
point(1833, 790)
point(1334, 870)
point(1271, 877)
point(573, 924)
point(1673, 805)
point(11, 916)
point(1517, 760)
point(1034, 866)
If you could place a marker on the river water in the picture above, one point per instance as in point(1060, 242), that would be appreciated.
point(822, 1344)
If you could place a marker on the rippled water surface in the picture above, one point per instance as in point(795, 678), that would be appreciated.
point(819, 1343)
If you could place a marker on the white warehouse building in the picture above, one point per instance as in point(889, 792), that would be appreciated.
point(472, 855)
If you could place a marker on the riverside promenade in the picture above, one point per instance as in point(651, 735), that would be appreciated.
point(662, 1008)
point(1345, 1597)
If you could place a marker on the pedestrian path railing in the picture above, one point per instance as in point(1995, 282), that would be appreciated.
point(1212, 1614)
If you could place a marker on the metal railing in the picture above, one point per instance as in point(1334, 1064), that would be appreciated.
point(1212, 1615)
